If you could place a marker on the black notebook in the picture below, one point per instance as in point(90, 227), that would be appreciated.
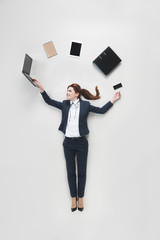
point(107, 60)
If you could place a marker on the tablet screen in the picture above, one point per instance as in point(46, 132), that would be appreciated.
point(75, 49)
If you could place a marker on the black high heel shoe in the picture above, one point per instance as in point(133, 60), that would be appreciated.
point(80, 209)
point(74, 209)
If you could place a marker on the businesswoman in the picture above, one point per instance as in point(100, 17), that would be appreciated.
point(74, 126)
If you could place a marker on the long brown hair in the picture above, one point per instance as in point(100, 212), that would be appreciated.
point(84, 92)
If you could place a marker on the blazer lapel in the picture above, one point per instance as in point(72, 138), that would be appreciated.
point(81, 108)
point(67, 108)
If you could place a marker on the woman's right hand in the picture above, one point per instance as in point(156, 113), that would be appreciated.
point(39, 84)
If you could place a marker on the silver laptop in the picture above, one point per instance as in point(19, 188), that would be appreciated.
point(27, 68)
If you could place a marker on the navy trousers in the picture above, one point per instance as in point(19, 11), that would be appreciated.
point(76, 147)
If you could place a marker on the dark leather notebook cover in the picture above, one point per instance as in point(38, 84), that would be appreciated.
point(107, 60)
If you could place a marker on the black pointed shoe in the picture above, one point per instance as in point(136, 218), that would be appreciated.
point(81, 209)
point(74, 209)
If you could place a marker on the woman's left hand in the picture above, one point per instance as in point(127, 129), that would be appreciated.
point(116, 97)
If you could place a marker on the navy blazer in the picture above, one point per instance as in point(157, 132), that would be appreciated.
point(85, 108)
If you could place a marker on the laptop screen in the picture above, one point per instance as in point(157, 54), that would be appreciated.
point(27, 64)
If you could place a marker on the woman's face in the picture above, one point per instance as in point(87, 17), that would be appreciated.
point(71, 94)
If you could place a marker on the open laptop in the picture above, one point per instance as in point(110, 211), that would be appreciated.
point(27, 68)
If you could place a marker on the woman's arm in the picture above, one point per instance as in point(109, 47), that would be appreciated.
point(46, 98)
point(100, 110)
point(39, 84)
point(106, 107)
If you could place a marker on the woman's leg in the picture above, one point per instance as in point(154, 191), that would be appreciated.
point(70, 153)
point(82, 155)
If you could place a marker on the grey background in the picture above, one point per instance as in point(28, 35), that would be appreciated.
point(122, 190)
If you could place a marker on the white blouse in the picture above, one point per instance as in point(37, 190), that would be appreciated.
point(72, 129)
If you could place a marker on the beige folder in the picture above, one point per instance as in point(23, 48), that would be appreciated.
point(50, 49)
